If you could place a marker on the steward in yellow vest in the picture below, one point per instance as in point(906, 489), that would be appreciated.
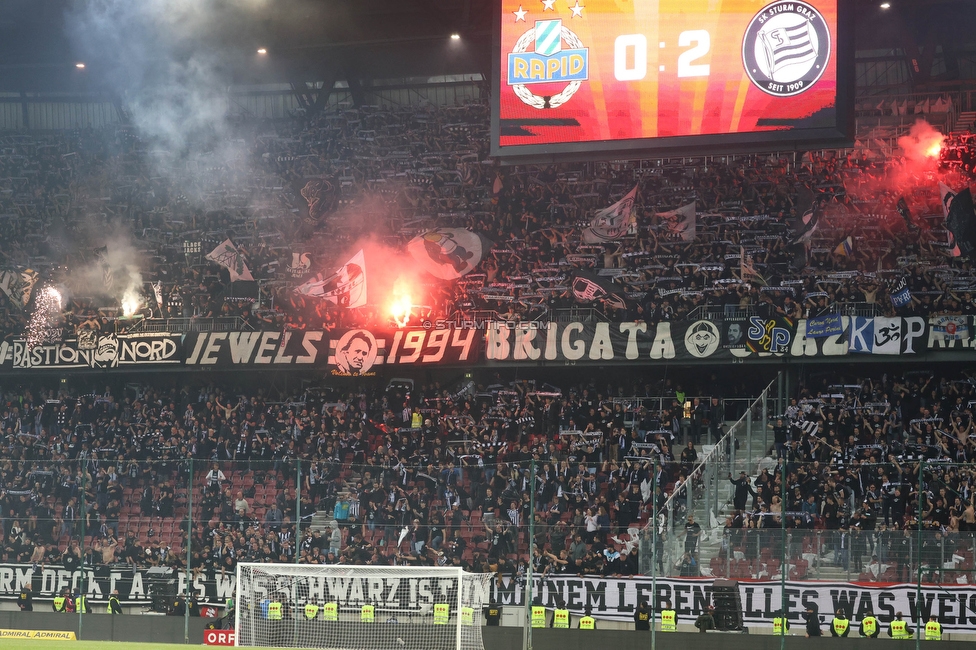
point(274, 611)
point(898, 629)
point(538, 615)
point(781, 625)
point(560, 618)
point(840, 626)
point(442, 613)
point(59, 602)
point(311, 611)
point(81, 604)
point(330, 611)
point(933, 630)
point(587, 622)
point(114, 607)
point(467, 616)
point(669, 619)
point(869, 627)
point(367, 614)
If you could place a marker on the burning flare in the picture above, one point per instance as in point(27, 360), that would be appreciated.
point(43, 323)
point(401, 305)
point(130, 304)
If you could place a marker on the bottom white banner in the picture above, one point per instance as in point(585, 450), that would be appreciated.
point(616, 598)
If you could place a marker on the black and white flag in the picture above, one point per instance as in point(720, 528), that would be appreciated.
point(613, 222)
point(588, 287)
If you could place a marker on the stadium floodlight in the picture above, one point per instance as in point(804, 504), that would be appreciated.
point(262, 50)
point(359, 607)
point(886, 5)
point(455, 37)
point(80, 65)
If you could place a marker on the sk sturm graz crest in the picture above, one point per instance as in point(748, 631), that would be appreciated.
point(786, 48)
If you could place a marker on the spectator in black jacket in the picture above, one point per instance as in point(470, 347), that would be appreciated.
point(742, 490)
point(812, 617)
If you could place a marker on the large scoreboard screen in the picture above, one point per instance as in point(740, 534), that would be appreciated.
point(659, 76)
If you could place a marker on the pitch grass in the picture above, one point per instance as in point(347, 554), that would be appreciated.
point(29, 644)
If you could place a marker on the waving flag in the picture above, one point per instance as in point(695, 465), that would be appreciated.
point(846, 247)
point(448, 253)
point(960, 217)
point(319, 193)
point(346, 287)
point(900, 294)
point(589, 287)
point(227, 255)
point(905, 212)
point(613, 222)
point(18, 285)
point(747, 267)
point(809, 210)
point(681, 222)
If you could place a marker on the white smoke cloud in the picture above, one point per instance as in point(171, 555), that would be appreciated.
point(169, 63)
point(113, 269)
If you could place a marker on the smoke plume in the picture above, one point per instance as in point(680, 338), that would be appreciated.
point(169, 62)
point(111, 268)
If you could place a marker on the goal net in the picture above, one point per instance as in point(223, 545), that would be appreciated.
point(348, 607)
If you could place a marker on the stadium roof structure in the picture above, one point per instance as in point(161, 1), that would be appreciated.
point(358, 41)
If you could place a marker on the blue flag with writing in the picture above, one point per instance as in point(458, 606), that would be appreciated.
point(822, 326)
point(900, 294)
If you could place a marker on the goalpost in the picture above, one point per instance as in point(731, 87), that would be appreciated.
point(352, 607)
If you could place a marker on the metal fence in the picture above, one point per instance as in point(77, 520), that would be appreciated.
point(702, 488)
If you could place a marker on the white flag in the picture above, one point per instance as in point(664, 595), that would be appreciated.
point(28, 279)
point(346, 287)
point(227, 255)
point(613, 222)
point(681, 222)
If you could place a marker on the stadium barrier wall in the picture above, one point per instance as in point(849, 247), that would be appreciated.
point(507, 638)
point(103, 627)
point(169, 629)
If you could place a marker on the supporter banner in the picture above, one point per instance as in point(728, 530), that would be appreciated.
point(360, 352)
point(577, 342)
point(356, 352)
point(364, 352)
point(617, 598)
point(886, 335)
point(949, 331)
point(255, 348)
point(134, 586)
point(90, 349)
point(824, 326)
point(610, 598)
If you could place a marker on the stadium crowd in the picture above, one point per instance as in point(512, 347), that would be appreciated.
point(857, 456)
point(294, 196)
point(441, 476)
